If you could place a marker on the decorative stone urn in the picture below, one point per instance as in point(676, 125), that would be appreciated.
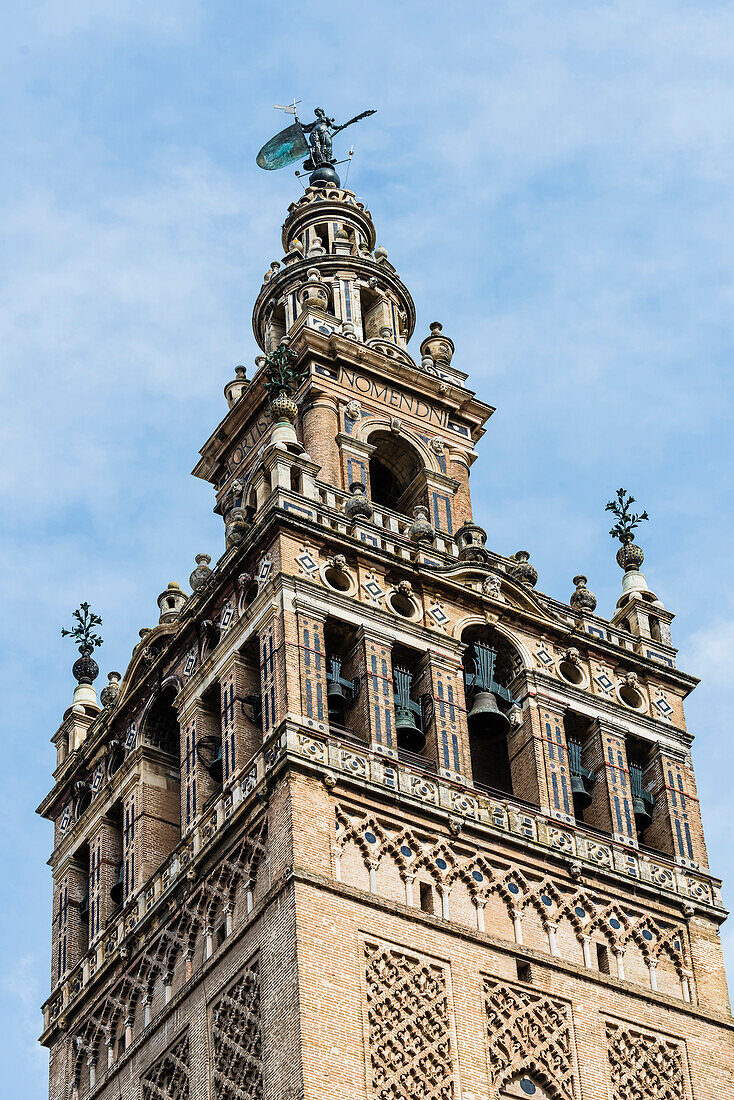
point(358, 506)
point(235, 527)
point(582, 599)
point(523, 571)
point(438, 347)
point(201, 574)
point(421, 529)
point(109, 694)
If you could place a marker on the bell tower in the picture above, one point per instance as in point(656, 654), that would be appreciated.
point(368, 814)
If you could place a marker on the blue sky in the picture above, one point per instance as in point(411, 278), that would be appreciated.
point(552, 181)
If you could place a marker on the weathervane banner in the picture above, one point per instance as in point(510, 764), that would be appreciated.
point(285, 148)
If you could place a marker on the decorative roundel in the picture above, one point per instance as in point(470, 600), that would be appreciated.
point(527, 1086)
point(614, 922)
point(406, 851)
point(477, 876)
point(370, 838)
point(646, 935)
point(442, 864)
point(513, 888)
point(580, 912)
point(546, 900)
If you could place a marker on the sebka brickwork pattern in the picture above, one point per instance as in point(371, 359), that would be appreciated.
point(408, 1025)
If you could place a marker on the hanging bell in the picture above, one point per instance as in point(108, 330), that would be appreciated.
point(581, 797)
point(642, 800)
point(117, 890)
point(214, 767)
point(581, 777)
point(409, 734)
point(485, 717)
point(337, 702)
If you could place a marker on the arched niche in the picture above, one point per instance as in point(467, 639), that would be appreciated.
point(491, 666)
point(160, 726)
point(396, 470)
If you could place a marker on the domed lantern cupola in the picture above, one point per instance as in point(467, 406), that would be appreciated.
point(332, 277)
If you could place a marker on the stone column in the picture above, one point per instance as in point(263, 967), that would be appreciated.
point(377, 696)
point(197, 721)
point(555, 784)
point(311, 669)
point(70, 933)
point(241, 737)
point(105, 853)
point(461, 502)
point(611, 805)
point(676, 816)
point(448, 736)
point(320, 427)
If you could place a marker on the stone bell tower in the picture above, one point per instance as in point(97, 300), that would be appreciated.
point(368, 815)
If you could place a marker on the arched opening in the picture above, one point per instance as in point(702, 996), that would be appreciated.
point(490, 666)
point(413, 707)
point(344, 675)
point(395, 469)
point(580, 750)
point(161, 728)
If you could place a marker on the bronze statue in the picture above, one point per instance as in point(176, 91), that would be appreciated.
point(321, 131)
point(291, 144)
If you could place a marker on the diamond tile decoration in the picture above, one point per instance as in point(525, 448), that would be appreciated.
point(663, 706)
point(97, 777)
point(227, 616)
point(438, 614)
point(132, 736)
point(373, 590)
point(544, 657)
point(266, 568)
point(604, 683)
point(65, 819)
point(190, 663)
point(306, 563)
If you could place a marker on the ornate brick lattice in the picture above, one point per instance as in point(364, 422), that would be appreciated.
point(644, 1066)
point(237, 1041)
point(529, 1034)
point(408, 1026)
point(168, 1078)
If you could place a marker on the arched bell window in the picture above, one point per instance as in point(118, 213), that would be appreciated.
point(396, 473)
point(490, 665)
point(343, 676)
point(161, 727)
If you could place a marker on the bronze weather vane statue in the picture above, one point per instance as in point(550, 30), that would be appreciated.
point(312, 140)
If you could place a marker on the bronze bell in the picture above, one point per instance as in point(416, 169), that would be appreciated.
point(409, 734)
point(581, 796)
point(337, 702)
point(642, 800)
point(485, 717)
point(215, 765)
point(117, 889)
